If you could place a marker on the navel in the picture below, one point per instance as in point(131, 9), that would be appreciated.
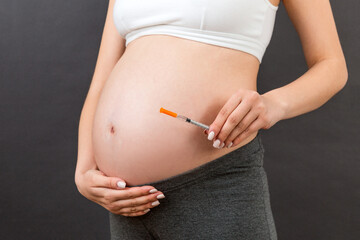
point(112, 130)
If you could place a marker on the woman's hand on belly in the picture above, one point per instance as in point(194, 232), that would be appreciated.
point(245, 112)
point(127, 201)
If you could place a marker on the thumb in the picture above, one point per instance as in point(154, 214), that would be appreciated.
point(110, 182)
point(120, 183)
point(116, 183)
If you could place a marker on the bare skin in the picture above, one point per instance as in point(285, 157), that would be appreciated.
point(130, 136)
point(218, 88)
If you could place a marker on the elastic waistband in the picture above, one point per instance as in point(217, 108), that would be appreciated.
point(241, 157)
point(236, 41)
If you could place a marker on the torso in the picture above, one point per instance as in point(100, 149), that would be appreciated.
point(132, 139)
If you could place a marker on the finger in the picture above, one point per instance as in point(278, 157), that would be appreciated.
point(136, 204)
point(223, 114)
point(100, 180)
point(139, 202)
point(111, 195)
point(235, 119)
point(254, 126)
point(242, 126)
point(138, 208)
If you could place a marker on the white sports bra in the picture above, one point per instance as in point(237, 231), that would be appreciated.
point(245, 25)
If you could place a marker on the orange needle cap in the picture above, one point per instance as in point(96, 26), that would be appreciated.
point(162, 110)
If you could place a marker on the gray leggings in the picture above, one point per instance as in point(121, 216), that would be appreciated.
point(227, 198)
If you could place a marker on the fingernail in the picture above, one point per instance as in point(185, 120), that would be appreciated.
point(216, 143)
point(145, 211)
point(121, 184)
point(153, 190)
point(222, 145)
point(155, 203)
point(230, 144)
point(160, 196)
point(211, 135)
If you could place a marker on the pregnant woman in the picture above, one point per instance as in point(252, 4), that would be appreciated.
point(198, 58)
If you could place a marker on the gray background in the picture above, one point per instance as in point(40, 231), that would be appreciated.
point(48, 54)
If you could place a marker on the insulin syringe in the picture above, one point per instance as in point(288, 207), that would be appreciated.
point(183, 118)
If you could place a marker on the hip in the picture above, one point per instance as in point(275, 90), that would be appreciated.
point(227, 198)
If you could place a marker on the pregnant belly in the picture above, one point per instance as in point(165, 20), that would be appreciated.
point(132, 139)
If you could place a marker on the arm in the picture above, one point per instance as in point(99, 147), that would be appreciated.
point(111, 49)
point(327, 74)
point(246, 111)
point(92, 183)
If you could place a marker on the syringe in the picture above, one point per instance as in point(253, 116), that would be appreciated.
point(186, 119)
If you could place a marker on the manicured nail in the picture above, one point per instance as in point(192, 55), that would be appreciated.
point(160, 196)
point(216, 143)
point(155, 203)
point(222, 145)
point(121, 184)
point(153, 190)
point(211, 135)
point(230, 144)
point(145, 211)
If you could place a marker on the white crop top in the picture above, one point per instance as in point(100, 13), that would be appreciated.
point(245, 25)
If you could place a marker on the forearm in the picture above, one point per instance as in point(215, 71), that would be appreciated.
point(322, 81)
point(111, 49)
point(110, 52)
point(85, 157)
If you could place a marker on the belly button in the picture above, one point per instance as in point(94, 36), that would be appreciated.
point(112, 130)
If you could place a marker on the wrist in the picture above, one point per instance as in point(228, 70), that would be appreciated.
point(280, 106)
